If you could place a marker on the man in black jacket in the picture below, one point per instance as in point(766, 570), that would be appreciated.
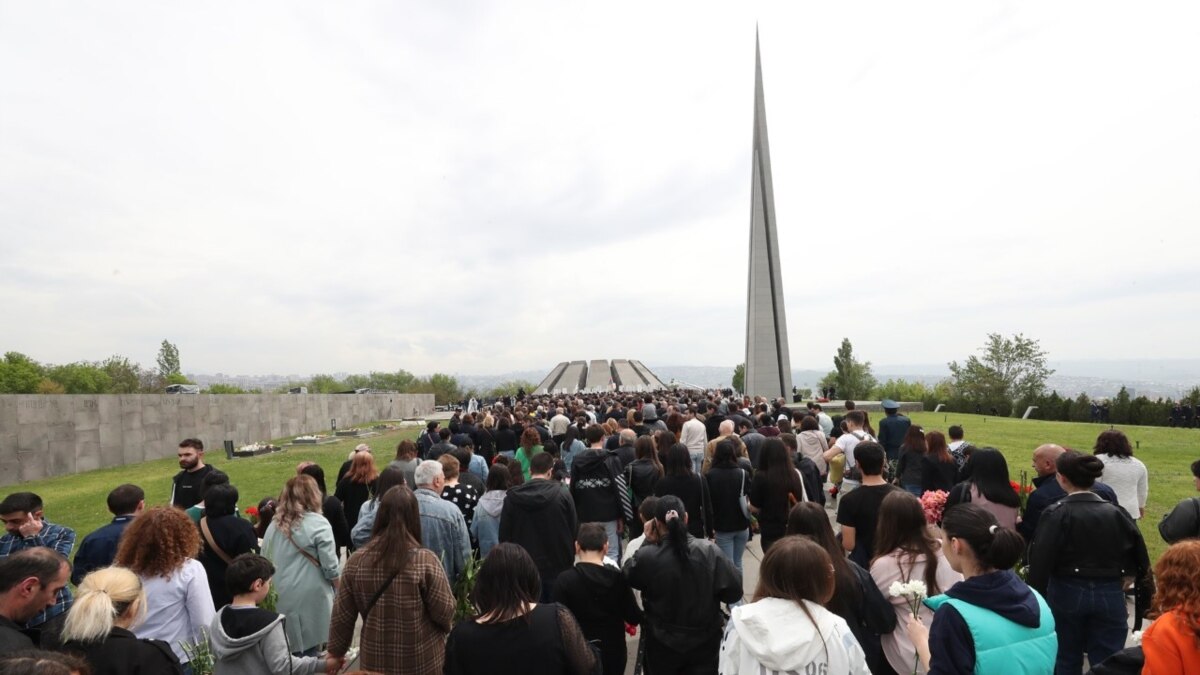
point(594, 486)
point(540, 516)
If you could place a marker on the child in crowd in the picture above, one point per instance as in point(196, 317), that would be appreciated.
point(250, 640)
point(599, 597)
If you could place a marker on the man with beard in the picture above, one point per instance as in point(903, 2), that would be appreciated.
point(185, 487)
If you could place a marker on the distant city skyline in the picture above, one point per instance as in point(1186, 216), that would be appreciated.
point(1153, 378)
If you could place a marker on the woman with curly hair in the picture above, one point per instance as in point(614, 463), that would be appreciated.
point(1172, 643)
point(1123, 472)
point(160, 546)
point(299, 542)
point(531, 444)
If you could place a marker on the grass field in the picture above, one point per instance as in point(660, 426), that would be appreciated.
point(78, 501)
point(1168, 454)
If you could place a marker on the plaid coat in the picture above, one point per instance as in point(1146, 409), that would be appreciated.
point(406, 629)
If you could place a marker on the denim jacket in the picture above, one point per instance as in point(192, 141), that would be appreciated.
point(444, 531)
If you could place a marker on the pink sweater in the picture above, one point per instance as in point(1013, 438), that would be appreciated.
point(903, 567)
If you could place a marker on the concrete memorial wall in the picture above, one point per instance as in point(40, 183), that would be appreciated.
point(54, 435)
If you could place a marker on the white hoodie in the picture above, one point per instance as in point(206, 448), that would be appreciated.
point(774, 636)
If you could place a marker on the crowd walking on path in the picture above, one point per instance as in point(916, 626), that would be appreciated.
point(532, 535)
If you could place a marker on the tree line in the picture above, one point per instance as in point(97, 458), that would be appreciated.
point(1007, 376)
point(21, 374)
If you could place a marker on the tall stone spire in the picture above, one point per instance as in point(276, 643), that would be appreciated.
point(768, 366)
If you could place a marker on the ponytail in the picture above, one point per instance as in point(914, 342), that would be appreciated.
point(673, 515)
point(104, 595)
point(995, 547)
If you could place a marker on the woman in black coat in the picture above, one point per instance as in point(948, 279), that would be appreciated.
point(691, 489)
point(108, 605)
point(220, 528)
point(728, 484)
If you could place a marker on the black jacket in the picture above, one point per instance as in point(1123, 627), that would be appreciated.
point(814, 487)
point(235, 537)
point(1084, 536)
point(506, 440)
point(726, 484)
point(331, 508)
point(602, 602)
point(642, 477)
point(594, 486)
point(540, 516)
point(1046, 492)
point(122, 653)
point(937, 475)
point(13, 637)
point(693, 491)
point(682, 605)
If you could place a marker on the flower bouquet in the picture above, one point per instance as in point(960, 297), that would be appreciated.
point(933, 502)
point(913, 593)
point(252, 514)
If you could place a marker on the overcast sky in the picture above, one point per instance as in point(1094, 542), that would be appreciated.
point(303, 187)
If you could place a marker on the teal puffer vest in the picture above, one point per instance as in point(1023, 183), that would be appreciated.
point(1003, 646)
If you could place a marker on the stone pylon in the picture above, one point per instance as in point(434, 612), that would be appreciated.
point(768, 366)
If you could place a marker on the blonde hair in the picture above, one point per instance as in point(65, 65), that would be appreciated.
point(104, 596)
point(300, 495)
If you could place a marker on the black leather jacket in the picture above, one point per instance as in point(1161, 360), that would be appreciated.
point(683, 606)
point(1086, 537)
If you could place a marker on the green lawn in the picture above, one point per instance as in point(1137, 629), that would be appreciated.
point(78, 501)
point(1168, 454)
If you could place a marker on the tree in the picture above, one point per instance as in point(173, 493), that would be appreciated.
point(444, 388)
point(168, 360)
point(901, 390)
point(401, 380)
point(324, 384)
point(222, 388)
point(1011, 368)
point(739, 377)
point(81, 378)
point(852, 378)
point(20, 374)
point(509, 388)
point(124, 375)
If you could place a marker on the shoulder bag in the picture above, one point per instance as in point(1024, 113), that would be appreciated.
point(378, 594)
point(308, 556)
point(744, 497)
point(212, 543)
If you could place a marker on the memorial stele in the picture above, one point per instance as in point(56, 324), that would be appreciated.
point(768, 366)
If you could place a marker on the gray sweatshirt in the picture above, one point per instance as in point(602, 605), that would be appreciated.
point(252, 641)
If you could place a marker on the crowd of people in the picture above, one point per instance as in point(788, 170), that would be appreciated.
point(596, 516)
